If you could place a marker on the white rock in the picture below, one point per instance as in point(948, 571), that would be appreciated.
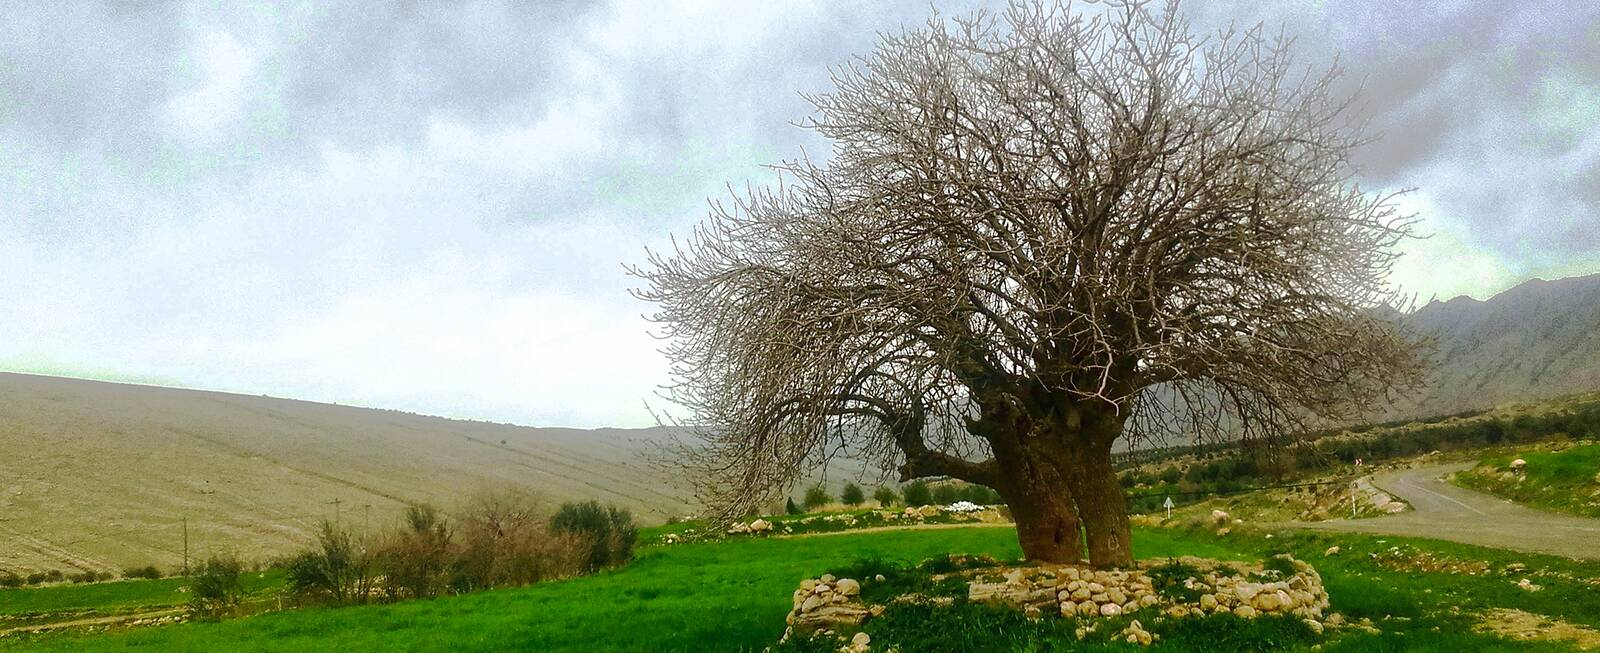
point(1110, 610)
point(847, 587)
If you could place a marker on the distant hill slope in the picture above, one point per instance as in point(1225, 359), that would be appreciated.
point(1538, 340)
point(101, 475)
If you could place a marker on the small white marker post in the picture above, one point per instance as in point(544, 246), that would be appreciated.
point(1353, 489)
point(1168, 505)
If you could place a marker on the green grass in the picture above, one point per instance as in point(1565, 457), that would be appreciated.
point(1563, 481)
point(725, 596)
point(112, 597)
point(41, 605)
point(733, 595)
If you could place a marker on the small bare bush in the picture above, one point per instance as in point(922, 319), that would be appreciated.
point(416, 561)
point(505, 541)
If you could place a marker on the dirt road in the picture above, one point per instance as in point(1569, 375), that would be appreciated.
point(1446, 512)
point(107, 620)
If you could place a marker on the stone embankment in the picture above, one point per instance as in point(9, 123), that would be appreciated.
point(1170, 589)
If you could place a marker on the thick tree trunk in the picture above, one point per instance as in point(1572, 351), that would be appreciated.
point(1102, 506)
point(1048, 526)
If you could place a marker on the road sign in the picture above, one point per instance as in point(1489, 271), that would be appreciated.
point(1168, 505)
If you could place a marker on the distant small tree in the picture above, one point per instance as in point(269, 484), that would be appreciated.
point(214, 589)
point(817, 497)
point(335, 568)
point(885, 497)
point(946, 494)
point(916, 493)
point(789, 507)
point(852, 495)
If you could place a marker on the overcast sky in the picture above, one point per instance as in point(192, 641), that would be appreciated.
point(428, 209)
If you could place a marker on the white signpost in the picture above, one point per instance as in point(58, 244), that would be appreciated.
point(1353, 489)
point(1168, 505)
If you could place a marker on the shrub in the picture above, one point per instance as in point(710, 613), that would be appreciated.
point(214, 587)
point(917, 494)
point(334, 569)
point(946, 494)
point(609, 532)
point(415, 562)
point(852, 495)
point(148, 572)
point(505, 540)
point(980, 494)
point(789, 507)
point(885, 497)
point(10, 580)
point(1168, 580)
point(89, 576)
point(817, 497)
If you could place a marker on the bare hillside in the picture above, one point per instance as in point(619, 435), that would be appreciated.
point(1538, 340)
point(100, 475)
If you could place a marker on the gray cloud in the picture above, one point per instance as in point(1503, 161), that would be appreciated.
point(426, 207)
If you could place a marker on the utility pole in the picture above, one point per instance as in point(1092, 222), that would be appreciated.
point(186, 545)
point(336, 503)
point(366, 521)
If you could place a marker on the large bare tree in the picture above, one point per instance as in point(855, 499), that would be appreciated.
point(1039, 232)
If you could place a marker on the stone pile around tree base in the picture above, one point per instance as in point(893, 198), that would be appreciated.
point(1173, 588)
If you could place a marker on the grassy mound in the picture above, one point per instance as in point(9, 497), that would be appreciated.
point(1565, 480)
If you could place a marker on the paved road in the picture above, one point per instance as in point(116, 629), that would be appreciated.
point(1446, 512)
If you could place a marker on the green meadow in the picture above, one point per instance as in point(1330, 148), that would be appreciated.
point(732, 595)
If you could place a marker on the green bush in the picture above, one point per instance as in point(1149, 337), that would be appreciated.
point(946, 494)
point(10, 580)
point(609, 531)
point(90, 576)
point(334, 569)
point(214, 587)
point(981, 495)
point(852, 495)
point(148, 572)
point(917, 494)
point(789, 507)
point(817, 497)
point(885, 497)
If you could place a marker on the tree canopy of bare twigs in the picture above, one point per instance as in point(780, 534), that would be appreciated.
point(1039, 232)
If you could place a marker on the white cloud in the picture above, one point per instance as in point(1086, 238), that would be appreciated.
point(224, 67)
